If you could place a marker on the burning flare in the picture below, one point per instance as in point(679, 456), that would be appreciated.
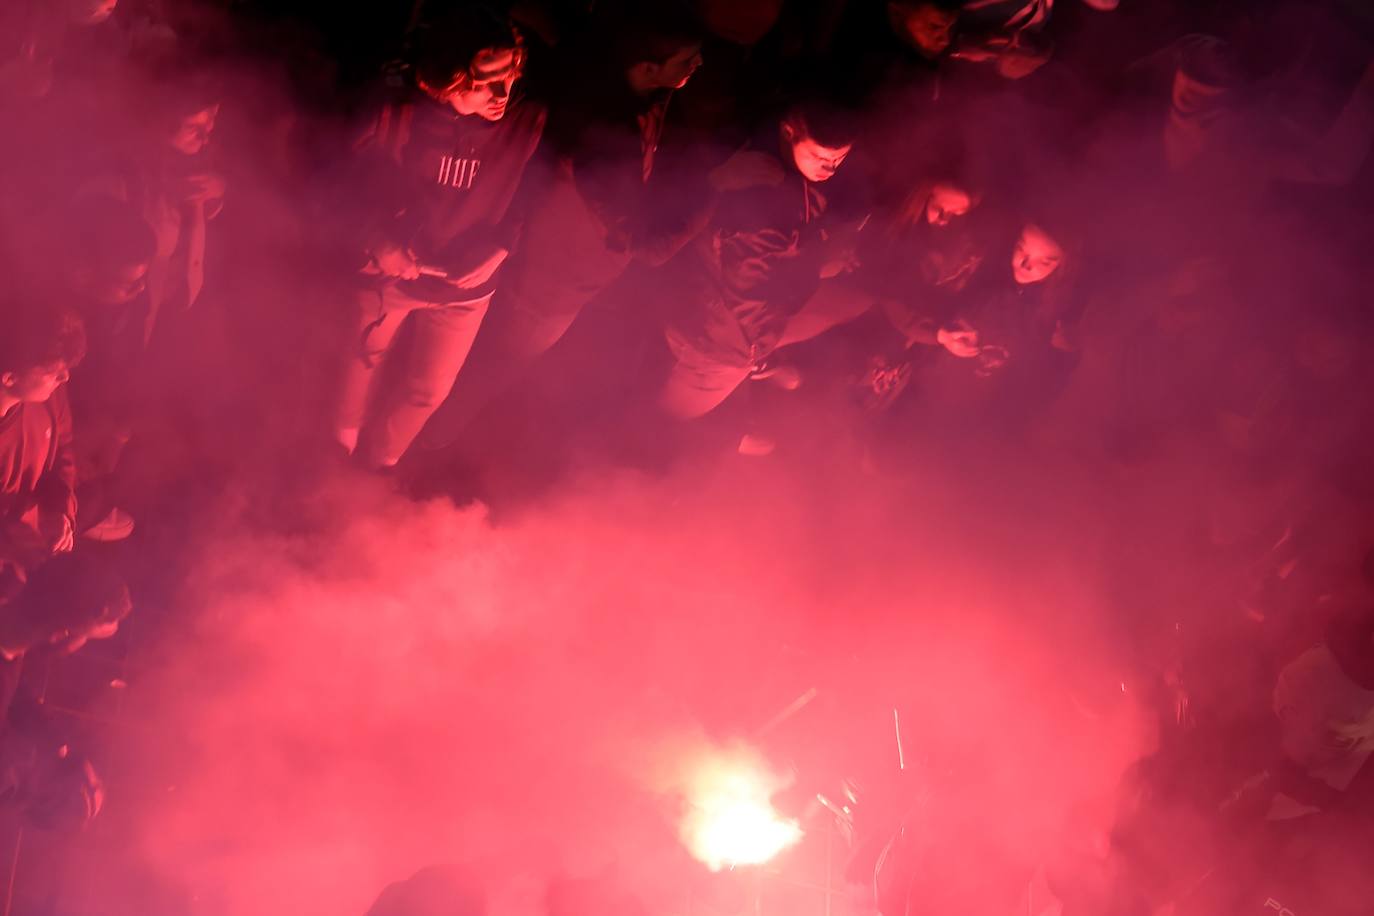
point(729, 818)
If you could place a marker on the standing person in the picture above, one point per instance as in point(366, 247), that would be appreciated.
point(63, 605)
point(893, 56)
point(598, 211)
point(161, 180)
point(66, 603)
point(916, 265)
point(762, 257)
point(1011, 333)
point(925, 259)
point(109, 248)
point(169, 176)
point(441, 169)
point(884, 44)
point(38, 504)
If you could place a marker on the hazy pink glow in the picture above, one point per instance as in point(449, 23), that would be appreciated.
point(413, 684)
point(730, 819)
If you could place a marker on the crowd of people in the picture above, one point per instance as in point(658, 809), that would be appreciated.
point(1106, 226)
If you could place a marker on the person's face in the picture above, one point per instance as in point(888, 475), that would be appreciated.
point(113, 286)
point(1036, 256)
point(36, 385)
point(485, 89)
point(814, 160)
point(674, 72)
point(193, 131)
point(947, 203)
point(1194, 99)
point(928, 29)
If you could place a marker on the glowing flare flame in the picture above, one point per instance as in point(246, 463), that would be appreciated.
point(730, 819)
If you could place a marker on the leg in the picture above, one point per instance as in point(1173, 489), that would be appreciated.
point(443, 337)
point(698, 383)
point(513, 337)
point(376, 329)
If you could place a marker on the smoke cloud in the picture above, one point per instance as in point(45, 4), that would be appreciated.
point(409, 684)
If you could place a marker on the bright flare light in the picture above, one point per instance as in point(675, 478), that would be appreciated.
point(729, 819)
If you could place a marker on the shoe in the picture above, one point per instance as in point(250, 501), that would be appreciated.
point(756, 446)
point(347, 437)
point(115, 526)
point(788, 378)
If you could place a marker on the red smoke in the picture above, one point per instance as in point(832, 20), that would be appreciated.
point(412, 684)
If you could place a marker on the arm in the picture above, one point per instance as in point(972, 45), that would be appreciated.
point(630, 225)
point(915, 327)
point(56, 492)
point(651, 221)
point(656, 244)
point(379, 192)
point(746, 169)
point(495, 243)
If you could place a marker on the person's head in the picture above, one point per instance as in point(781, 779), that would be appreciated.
point(925, 26)
point(657, 51)
point(38, 347)
point(71, 599)
point(1036, 256)
point(191, 132)
point(470, 61)
point(111, 246)
point(818, 139)
point(1205, 78)
point(947, 202)
point(180, 107)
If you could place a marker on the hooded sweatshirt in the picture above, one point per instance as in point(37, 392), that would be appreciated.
point(441, 183)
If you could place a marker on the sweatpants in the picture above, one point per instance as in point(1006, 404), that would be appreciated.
point(390, 417)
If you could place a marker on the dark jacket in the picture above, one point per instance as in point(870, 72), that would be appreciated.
point(602, 202)
point(760, 259)
point(918, 273)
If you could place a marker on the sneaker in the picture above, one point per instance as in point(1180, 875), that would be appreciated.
point(115, 526)
point(788, 378)
point(756, 446)
point(347, 437)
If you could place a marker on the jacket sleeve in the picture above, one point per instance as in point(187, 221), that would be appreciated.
point(374, 186)
point(533, 182)
point(56, 492)
point(656, 241)
point(649, 224)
